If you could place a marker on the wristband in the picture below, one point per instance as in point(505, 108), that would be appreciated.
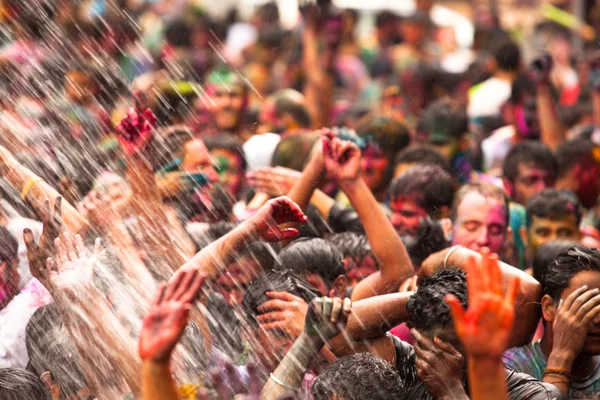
point(281, 383)
point(27, 187)
point(558, 372)
point(452, 250)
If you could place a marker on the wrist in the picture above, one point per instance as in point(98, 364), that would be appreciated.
point(351, 186)
point(312, 343)
point(561, 359)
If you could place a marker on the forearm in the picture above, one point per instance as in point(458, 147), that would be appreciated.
point(303, 189)
point(291, 369)
point(552, 130)
point(487, 379)
point(158, 382)
point(559, 360)
point(385, 243)
point(322, 203)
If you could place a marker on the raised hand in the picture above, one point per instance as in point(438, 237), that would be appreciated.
point(284, 312)
point(37, 254)
point(341, 158)
point(275, 212)
point(134, 132)
point(326, 317)
point(439, 366)
point(275, 181)
point(484, 328)
point(165, 322)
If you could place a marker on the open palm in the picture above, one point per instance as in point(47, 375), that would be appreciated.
point(275, 212)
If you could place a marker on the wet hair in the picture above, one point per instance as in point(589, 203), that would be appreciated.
point(357, 377)
point(313, 256)
point(427, 309)
point(553, 204)
point(427, 185)
point(9, 247)
point(288, 102)
point(422, 154)
point(446, 116)
point(353, 245)
point(20, 384)
point(508, 57)
point(485, 189)
point(228, 142)
point(523, 85)
point(275, 281)
point(530, 153)
point(547, 253)
point(428, 239)
point(573, 152)
point(558, 273)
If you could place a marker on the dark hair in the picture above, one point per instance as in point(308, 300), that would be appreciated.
point(568, 264)
point(485, 189)
point(314, 256)
point(228, 142)
point(390, 135)
point(285, 103)
point(508, 57)
point(20, 384)
point(573, 152)
point(428, 185)
point(422, 154)
point(522, 85)
point(547, 253)
point(529, 153)
point(275, 281)
point(358, 377)
point(9, 247)
point(353, 245)
point(428, 239)
point(553, 204)
point(445, 117)
point(294, 150)
point(178, 33)
point(427, 308)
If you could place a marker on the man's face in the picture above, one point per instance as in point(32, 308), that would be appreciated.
point(530, 180)
point(233, 283)
point(373, 164)
point(229, 167)
point(9, 282)
point(543, 230)
point(406, 215)
point(317, 282)
point(480, 223)
point(197, 159)
point(227, 107)
point(525, 117)
point(357, 270)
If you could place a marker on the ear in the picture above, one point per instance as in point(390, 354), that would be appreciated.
point(524, 237)
point(50, 384)
point(548, 308)
point(443, 213)
point(340, 285)
point(446, 225)
point(509, 188)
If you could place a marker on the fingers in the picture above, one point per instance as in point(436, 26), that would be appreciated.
point(456, 309)
point(495, 276)
point(336, 310)
point(272, 316)
point(174, 284)
point(287, 211)
point(474, 280)
point(194, 288)
point(423, 342)
point(571, 298)
point(79, 247)
point(61, 252)
point(591, 315)
point(160, 293)
point(289, 233)
point(68, 244)
point(582, 299)
point(97, 247)
point(346, 309)
point(283, 296)
point(45, 215)
point(512, 291)
point(29, 242)
point(274, 326)
point(588, 306)
point(274, 305)
point(446, 348)
point(57, 216)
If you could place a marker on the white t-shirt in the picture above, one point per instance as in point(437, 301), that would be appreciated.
point(496, 147)
point(486, 98)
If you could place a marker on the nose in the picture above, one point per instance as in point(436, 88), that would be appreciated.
point(397, 220)
point(482, 236)
point(211, 174)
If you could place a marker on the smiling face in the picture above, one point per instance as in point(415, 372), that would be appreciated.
point(227, 106)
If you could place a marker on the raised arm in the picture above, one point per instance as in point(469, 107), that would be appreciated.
point(553, 132)
point(342, 161)
point(528, 296)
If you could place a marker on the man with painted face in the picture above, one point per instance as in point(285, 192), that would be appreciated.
point(568, 353)
point(228, 155)
point(579, 170)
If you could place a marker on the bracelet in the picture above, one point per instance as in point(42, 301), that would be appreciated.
point(558, 372)
point(555, 381)
point(452, 250)
point(27, 187)
point(281, 383)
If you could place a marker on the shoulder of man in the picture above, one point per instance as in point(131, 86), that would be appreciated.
point(524, 387)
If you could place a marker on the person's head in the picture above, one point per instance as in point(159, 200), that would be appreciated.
point(285, 110)
point(523, 107)
point(294, 150)
point(420, 154)
point(358, 377)
point(480, 215)
point(79, 85)
point(508, 57)
point(445, 122)
point(359, 260)
point(318, 262)
point(414, 28)
point(196, 158)
point(552, 214)
point(421, 191)
point(229, 99)
point(272, 345)
point(579, 169)
point(427, 309)
point(227, 153)
point(384, 138)
point(571, 270)
point(547, 253)
point(528, 168)
point(20, 384)
point(428, 239)
point(9, 261)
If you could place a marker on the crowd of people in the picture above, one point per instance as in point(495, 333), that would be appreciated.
point(197, 208)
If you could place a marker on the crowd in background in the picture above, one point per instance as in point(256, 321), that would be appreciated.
point(203, 208)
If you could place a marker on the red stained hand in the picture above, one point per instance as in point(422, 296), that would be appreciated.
point(134, 132)
point(484, 328)
point(275, 212)
point(341, 158)
point(165, 322)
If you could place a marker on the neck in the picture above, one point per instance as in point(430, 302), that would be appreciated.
point(505, 75)
point(583, 365)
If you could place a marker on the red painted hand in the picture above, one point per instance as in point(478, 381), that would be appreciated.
point(134, 132)
point(275, 212)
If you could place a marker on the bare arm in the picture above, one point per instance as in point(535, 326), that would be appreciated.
point(552, 130)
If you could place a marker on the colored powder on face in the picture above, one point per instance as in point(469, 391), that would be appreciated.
point(222, 164)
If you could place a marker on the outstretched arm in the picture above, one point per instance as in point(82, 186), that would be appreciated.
point(342, 161)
